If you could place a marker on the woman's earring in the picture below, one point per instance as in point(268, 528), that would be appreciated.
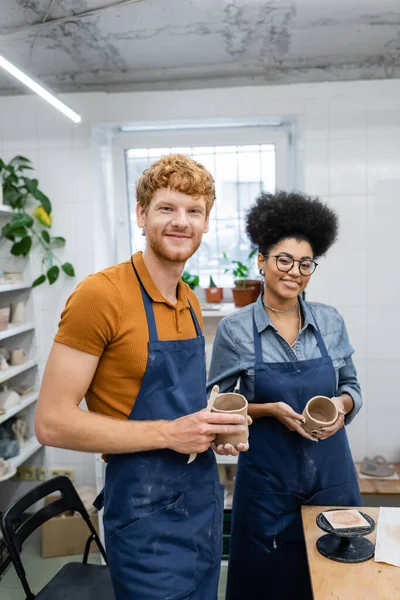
point(143, 232)
point(261, 271)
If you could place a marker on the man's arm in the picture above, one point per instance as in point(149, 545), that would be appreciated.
point(60, 422)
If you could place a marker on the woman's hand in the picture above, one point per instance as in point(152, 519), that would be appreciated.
point(326, 432)
point(228, 449)
point(291, 419)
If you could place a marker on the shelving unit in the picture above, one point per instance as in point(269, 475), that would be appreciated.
point(18, 335)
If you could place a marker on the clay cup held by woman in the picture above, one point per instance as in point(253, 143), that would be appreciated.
point(319, 412)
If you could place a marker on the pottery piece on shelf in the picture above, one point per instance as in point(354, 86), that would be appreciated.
point(12, 276)
point(231, 403)
point(3, 467)
point(17, 313)
point(17, 357)
point(319, 412)
point(8, 398)
point(345, 519)
point(4, 317)
point(376, 467)
point(20, 430)
point(25, 390)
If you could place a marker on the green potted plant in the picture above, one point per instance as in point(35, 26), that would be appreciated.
point(193, 281)
point(31, 221)
point(214, 294)
point(246, 290)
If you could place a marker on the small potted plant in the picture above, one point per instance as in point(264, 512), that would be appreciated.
point(193, 281)
point(246, 290)
point(214, 294)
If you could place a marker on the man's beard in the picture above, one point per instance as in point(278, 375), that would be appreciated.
point(162, 251)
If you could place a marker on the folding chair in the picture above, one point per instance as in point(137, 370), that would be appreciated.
point(74, 581)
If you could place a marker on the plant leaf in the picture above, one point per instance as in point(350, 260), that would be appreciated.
point(20, 158)
point(46, 236)
point(22, 247)
point(39, 280)
point(52, 274)
point(19, 232)
point(68, 269)
point(13, 196)
point(57, 242)
point(44, 201)
point(20, 220)
point(25, 168)
point(30, 184)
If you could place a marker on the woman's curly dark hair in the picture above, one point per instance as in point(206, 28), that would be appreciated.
point(275, 217)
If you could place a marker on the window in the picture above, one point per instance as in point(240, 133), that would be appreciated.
point(241, 172)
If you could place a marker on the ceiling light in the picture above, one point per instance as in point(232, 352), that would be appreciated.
point(39, 89)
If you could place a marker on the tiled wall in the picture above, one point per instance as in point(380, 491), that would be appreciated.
point(349, 143)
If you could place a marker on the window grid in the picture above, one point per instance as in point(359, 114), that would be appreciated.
point(241, 172)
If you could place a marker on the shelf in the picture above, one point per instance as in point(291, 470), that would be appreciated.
point(11, 287)
point(218, 310)
point(27, 401)
point(5, 209)
point(13, 371)
point(31, 446)
point(15, 330)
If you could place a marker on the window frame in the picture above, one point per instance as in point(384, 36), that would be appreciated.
point(280, 136)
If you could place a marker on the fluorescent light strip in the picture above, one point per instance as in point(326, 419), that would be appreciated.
point(205, 125)
point(38, 89)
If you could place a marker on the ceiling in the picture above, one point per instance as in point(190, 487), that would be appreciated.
point(84, 45)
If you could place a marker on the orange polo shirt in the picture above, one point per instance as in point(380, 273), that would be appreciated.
point(105, 316)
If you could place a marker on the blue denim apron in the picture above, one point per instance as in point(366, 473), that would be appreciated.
point(163, 517)
point(281, 472)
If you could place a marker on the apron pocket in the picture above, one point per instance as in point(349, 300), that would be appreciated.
point(346, 494)
point(273, 516)
point(154, 554)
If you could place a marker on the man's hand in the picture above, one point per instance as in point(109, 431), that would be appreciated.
point(228, 449)
point(291, 419)
point(196, 432)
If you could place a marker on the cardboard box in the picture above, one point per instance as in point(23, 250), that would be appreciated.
point(66, 534)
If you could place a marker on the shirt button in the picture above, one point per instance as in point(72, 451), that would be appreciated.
point(298, 370)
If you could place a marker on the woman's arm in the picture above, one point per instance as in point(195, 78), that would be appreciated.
point(225, 361)
point(349, 389)
point(348, 399)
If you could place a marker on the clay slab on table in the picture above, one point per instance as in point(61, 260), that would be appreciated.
point(345, 519)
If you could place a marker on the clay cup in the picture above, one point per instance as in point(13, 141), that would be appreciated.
point(319, 412)
point(234, 404)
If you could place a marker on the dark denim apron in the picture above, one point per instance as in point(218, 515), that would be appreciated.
point(281, 472)
point(163, 517)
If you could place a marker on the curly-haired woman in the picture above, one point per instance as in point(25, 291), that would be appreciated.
point(285, 350)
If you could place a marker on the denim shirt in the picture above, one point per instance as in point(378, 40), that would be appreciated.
point(233, 349)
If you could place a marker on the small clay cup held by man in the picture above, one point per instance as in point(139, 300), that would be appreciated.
point(320, 412)
point(234, 404)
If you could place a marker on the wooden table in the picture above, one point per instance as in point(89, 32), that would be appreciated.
point(338, 581)
point(381, 486)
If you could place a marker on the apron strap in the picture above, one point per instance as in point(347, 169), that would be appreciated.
point(195, 321)
point(148, 306)
point(318, 336)
point(257, 342)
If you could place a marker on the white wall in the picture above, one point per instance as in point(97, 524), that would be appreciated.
point(349, 143)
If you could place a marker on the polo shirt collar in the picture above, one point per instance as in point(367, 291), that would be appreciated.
point(151, 287)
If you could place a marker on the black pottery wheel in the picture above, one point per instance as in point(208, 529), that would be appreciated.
point(346, 545)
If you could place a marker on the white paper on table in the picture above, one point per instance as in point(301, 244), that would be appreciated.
point(387, 547)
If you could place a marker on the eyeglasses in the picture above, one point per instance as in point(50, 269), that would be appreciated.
point(286, 263)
